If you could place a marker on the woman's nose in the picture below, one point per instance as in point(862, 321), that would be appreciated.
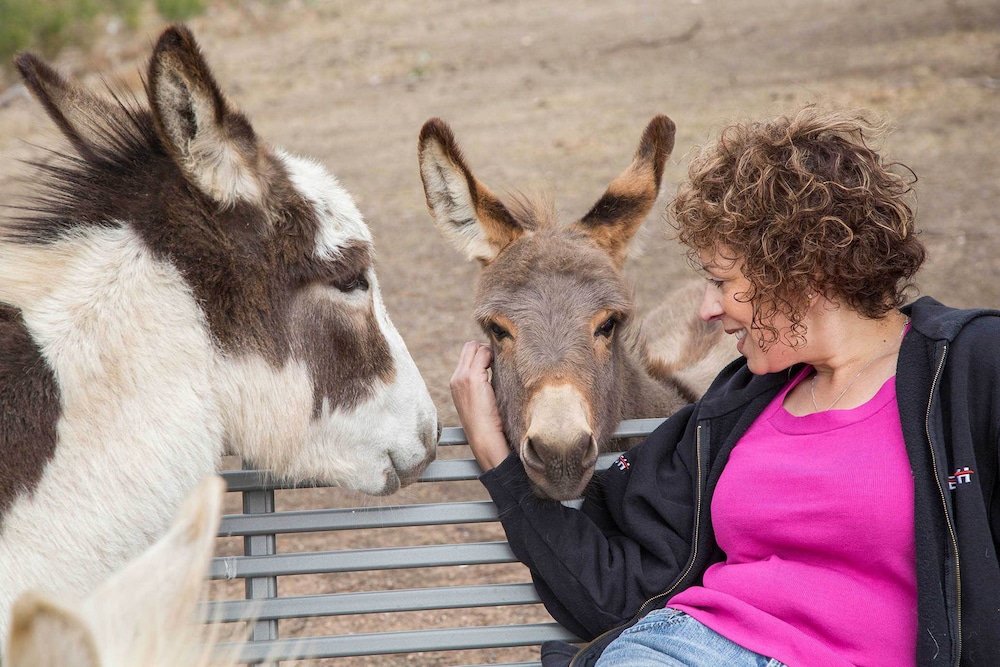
point(711, 304)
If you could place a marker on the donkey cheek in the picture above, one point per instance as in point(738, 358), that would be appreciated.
point(511, 401)
point(348, 357)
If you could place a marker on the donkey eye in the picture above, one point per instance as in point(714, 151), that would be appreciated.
point(607, 328)
point(358, 282)
point(497, 331)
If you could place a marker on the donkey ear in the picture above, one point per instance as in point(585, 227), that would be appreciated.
point(214, 144)
point(79, 113)
point(466, 212)
point(619, 213)
point(45, 634)
point(156, 595)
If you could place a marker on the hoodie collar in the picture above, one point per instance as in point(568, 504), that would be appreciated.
point(939, 322)
point(736, 387)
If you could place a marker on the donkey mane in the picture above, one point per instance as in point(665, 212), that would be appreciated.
point(531, 211)
point(82, 188)
point(124, 174)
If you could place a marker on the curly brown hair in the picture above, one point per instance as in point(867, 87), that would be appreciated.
point(808, 206)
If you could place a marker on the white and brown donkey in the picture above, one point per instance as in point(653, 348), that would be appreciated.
point(176, 289)
point(570, 360)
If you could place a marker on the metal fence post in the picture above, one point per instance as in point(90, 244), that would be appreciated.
point(260, 588)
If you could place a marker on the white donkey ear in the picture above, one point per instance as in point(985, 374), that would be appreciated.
point(142, 615)
point(466, 212)
point(214, 144)
point(156, 595)
point(44, 633)
point(619, 213)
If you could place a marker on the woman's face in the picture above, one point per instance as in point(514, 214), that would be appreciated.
point(726, 300)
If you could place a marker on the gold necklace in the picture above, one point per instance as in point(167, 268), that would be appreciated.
point(812, 384)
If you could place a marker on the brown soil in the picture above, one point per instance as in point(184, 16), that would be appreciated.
point(552, 96)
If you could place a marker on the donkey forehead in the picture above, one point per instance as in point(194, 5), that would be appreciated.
point(558, 297)
point(340, 222)
point(552, 273)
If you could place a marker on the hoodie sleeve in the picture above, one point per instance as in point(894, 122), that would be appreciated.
point(594, 567)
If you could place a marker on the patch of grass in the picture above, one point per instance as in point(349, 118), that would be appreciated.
point(40, 24)
point(179, 10)
point(48, 25)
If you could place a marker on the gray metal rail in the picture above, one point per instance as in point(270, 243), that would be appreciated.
point(261, 565)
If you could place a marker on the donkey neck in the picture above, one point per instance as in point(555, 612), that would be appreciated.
point(132, 359)
point(122, 333)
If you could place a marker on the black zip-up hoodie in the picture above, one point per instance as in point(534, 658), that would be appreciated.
point(644, 531)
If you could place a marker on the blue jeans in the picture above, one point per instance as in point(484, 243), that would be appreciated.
point(671, 638)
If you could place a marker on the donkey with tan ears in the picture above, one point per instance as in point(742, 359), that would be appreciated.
point(569, 361)
point(176, 289)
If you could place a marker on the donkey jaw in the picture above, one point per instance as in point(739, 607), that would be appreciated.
point(375, 447)
point(559, 450)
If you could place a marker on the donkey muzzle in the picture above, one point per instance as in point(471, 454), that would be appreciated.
point(558, 450)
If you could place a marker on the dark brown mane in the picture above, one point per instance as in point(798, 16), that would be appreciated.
point(173, 290)
point(101, 187)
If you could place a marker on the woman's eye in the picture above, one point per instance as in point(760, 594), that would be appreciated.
point(715, 282)
point(358, 282)
point(607, 327)
point(498, 332)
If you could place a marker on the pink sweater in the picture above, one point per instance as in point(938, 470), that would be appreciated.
point(815, 516)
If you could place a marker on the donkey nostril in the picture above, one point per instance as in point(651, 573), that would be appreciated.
point(588, 444)
point(548, 458)
point(530, 457)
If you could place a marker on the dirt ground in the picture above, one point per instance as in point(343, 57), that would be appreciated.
point(552, 96)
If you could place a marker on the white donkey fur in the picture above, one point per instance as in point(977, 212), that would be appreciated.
point(143, 616)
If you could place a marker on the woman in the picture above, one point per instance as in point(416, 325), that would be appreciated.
point(833, 498)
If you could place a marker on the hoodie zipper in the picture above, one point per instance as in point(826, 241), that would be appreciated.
point(944, 504)
point(687, 569)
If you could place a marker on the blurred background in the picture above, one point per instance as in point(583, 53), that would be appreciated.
point(549, 96)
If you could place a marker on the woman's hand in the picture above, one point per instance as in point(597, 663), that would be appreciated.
point(476, 404)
